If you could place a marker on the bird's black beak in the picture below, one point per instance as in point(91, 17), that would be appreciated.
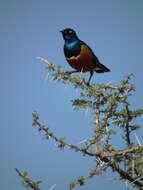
point(61, 31)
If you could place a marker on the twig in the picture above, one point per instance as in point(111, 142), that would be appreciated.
point(125, 175)
point(127, 125)
point(124, 152)
point(29, 183)
point(62, 143)
point(97, 113)
point(136, 180)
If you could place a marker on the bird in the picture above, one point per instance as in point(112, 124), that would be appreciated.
point(80, 56)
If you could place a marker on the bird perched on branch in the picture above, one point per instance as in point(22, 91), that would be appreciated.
point(79, 55)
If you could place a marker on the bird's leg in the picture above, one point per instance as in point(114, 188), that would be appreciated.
point(88, 83)
point(70, 72)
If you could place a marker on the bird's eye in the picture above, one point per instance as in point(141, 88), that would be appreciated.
point(70, 31)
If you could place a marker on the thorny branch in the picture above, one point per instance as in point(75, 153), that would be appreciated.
point(61, 142)
point(28, 182)
point(103, 156)
point(84, 149)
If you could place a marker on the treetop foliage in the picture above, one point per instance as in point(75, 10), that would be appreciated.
point(110, 105)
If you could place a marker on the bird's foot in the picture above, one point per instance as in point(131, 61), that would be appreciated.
point(70, 72)
point(88, 84)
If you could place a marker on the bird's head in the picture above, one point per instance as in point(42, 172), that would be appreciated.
point(69, 34)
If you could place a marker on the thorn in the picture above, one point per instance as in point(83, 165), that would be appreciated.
point(46, 77)
point(137, 139)
point(53, 186)
point(83, 141)
point(86, 112)
point(43, 60)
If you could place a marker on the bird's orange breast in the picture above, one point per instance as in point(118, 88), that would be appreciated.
point(84, 61)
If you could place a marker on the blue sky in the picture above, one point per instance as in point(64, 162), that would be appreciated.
point(113, 29)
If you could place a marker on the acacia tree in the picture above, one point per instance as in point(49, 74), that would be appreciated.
point(110, 105)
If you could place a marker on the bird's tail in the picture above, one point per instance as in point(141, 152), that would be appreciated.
point(100, 68)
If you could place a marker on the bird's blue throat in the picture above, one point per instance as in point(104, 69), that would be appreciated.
point(70, 44)
point(72, 47)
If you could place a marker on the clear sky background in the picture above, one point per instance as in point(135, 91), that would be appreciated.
point(28, 28)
